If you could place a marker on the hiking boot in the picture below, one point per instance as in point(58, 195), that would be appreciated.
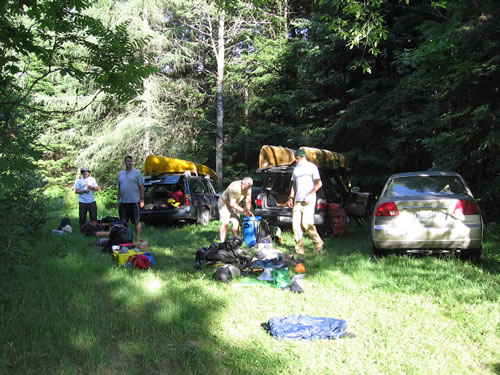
point(319, 247)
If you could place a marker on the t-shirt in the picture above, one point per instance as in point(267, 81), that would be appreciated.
point(304, 175)
point(233, 191)
point(129, 184)
point(82, 184)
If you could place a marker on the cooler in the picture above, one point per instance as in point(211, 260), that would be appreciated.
point(251, 230)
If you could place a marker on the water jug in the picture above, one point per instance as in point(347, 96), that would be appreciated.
point(251, 230)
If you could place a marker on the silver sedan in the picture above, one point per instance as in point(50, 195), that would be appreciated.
point(427, 212)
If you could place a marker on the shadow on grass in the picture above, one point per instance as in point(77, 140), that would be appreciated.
point(461, 280)
point(75, 312)
point(78, 313)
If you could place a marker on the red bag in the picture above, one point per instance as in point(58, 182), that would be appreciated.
point(140, 261)
point(338, 219)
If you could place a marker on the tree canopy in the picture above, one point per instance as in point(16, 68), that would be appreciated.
point(394, 85)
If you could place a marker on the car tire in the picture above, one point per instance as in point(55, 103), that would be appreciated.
point(203, 217)
point(474, 255)
point(379, 252)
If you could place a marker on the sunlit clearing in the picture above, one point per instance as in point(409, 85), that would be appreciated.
point(152, 284)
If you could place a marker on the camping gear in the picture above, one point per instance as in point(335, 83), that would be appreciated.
point(227, 273)
point(119, 233)
point(281, 277)
point(227, 252)
point(306, 327)
point(277, 155)
point(251, 230)
point(123, 258)
point(65, 221)
point(300, 268)
point(140, 261)
point(91, 228)
point(338, 219)
point(151, 258)
point(155, 164)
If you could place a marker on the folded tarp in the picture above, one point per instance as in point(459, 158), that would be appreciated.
point(305, 327)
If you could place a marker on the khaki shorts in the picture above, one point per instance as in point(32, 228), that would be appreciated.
point(227, 214)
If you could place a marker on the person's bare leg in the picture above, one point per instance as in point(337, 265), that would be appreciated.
point(222, 232)
point(138, 231)
point(236, 227)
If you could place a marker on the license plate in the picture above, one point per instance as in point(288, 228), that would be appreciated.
point(425, 215)
point(284, 219)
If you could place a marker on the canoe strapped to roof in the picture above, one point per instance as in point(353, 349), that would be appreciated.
point(155, 165)
point(271, 156)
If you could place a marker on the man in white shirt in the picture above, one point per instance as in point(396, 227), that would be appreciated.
point(306, 181)
point(85, 188)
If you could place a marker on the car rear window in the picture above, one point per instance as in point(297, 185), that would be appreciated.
point(424, 185)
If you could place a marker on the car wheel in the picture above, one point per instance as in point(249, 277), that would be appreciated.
point(203, 217)
point(379, 252)
point(474, 255)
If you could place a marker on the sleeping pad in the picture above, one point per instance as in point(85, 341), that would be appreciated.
point(306, 327)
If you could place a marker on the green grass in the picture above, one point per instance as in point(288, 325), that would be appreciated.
point(72, 311)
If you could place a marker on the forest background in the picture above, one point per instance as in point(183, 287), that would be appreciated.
point(394, 85)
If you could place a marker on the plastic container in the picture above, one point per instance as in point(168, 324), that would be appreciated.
point(122, 258)
point(251, 230)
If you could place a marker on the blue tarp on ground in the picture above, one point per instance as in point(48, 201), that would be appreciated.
point(305, 327)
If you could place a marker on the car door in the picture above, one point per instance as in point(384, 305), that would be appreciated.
point(203, 194)
point(211, 197)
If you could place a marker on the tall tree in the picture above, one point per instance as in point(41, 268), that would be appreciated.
point(43, 45)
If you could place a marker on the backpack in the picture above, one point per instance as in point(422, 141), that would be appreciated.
point(227, 252)
point(338, 219)
point(264, 234)
point(64, 221)
point(119, 233)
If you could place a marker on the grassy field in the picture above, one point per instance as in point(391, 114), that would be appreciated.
point(72, 311)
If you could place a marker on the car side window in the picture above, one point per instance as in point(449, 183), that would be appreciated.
point(197, 187)
point(208, 187)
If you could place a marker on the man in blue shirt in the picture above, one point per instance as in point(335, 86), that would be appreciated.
point(130, 195)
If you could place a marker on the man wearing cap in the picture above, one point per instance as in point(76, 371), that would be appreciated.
point(229, 205)
point(85, 188)
point(306, 181)
point(130, 195)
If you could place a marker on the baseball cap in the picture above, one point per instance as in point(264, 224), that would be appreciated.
point(84, 169)
point(300, 153)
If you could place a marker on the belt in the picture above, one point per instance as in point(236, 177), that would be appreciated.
point(302, 203)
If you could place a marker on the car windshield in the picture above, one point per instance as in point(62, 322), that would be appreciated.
point(424, 185)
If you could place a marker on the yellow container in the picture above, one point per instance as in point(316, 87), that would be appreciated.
point(122, 258)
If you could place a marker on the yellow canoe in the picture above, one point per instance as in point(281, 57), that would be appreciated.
point(277, 155)
point(325, 158)
point(155, 164)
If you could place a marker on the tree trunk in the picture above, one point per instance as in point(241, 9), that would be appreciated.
point(219, 139)
point(147, 93)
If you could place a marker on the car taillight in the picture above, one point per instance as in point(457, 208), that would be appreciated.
point(387, 209)
point(466, 207)
point(320, 204)
point(258, 201)
point(187, 200)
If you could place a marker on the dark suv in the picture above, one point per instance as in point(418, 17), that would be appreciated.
point(177, 197)
point(271, 204)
